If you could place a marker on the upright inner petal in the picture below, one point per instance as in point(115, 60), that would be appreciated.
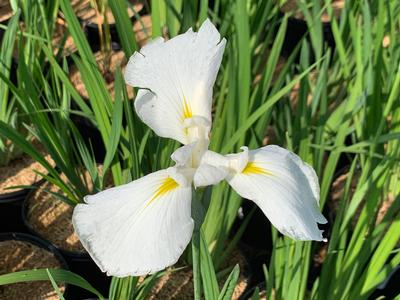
point(178, 76)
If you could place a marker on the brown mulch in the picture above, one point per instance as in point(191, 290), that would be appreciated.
point(291, 6)
point(143, 30)
point(18, 256)
point(5, 10)
point(52, 218)
point(60, 30)
point(21, 171)
point(178, 285)
point(88, 14)
point(117, 59)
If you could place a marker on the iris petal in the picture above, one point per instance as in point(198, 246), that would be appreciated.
point(178, 76)
point(284, 187)
point(137, 228)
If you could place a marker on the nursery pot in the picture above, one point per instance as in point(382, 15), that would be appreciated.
point(297, 27)
point(18, 172)
point(79, 262)
point(31, 255)
point(389, 288)
point(10, 209)
point(296, 30)
point(83, 265)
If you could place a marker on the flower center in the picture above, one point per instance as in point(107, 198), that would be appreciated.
point(197, 129)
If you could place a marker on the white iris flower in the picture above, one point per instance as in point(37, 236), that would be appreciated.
point(144, 226)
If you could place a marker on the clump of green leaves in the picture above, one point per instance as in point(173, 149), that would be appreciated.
point(8, 107)
point(347, 106)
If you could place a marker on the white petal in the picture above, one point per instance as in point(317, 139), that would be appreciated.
point(208, 175)
point(180, 73)
point(137, 228)
point(213, 168)
point(183, 155)
point(285, 188)
point(159, 116)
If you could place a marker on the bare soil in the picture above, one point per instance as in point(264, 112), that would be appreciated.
point(89, 14)
point(143, 30)
point(178, 285)
point(291, 6)
point(59, 32)
point(51, 218)
point(5, 10)
point(18, 256)
point(21, 171)
point(117, 59)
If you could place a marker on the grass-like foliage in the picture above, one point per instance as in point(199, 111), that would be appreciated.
point(344, 116)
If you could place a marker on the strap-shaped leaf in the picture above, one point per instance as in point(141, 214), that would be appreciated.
point(42, 275)
point(210, 282)
point(229, 286)
point(124, 26)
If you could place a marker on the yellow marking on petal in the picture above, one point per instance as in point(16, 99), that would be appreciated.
point(187, 111)
point(253, 168)
point(168, 185)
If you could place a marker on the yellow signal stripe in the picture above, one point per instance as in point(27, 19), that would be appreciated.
point(253, 168)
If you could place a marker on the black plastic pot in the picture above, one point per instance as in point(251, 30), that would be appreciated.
point(2, 31)
point(10, 209)
point(92, 34)
point(79, 262)
point(256, 241)
point(83, 265)
point(390, 288)
point(257, 234)
point(39, 242)
point(296, 30)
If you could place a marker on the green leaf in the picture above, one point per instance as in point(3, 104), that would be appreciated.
point(262, 109)
point(196, 265)
point(230, 284)
point(55, 286)
point(124, 26)
point(209, 278)
point(43, 275)
point(116, 121)
point(256, 294)
point(8, 132)
point(6, 51)
point(76, 31)
point(158, 15)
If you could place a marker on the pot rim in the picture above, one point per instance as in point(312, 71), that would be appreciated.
point(67, 253)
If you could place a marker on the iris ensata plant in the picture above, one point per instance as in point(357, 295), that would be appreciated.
point(144, 226)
